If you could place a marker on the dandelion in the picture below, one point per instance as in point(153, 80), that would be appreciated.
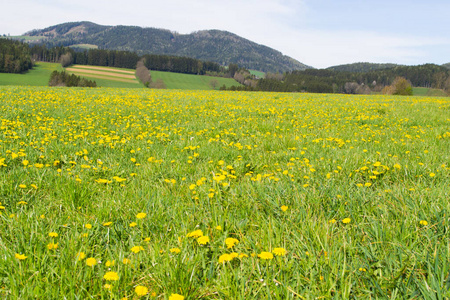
point(195, 234)
point(141, 215)
point(91, 261)
point(230, 242)
point(20, 256)
point(52, 246)
point(126, 261)
point(332, 221)
point(53, 234)
point(81, 255)
point(107, 224)
point(346, 220)
point(265, 255)
point(107, 286)
point(279, 251)
point(137, 249)
point(111, 276)
point(432, 174)
point(141, 290)
point(22, 186)
point(219, 228)
point(133, 224)
point(22, 203)
point(224, 258)
point(110, 263)
point(175, 250)
point(88, 226)
point(176, 297)
point(203, 240)
point(423, 223)
point(284, 208)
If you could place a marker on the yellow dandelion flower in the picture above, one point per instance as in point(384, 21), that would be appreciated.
point(126, 261)
point(137, 249)
point(175, 250)
point(81, 255)
point(20, 256)
point(219, 227)
point(346, 220)
point(141, 290)
point(176, 297)
point(52, 246)
point(22, 186)
point(111, 276)
point(141, 215)
point(203, 240)
point(230, 242)
point(265, 255)
point(88, 226)
point(423, 223)
point(133, 224)
point(53, 234)
point(195, 234)
point(110, 263)
point(224, 258)
point(279, 251)
point(91, 261)
point(284, 207)
point(107, 224)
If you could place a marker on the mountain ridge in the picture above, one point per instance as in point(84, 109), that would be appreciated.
point(214, 45)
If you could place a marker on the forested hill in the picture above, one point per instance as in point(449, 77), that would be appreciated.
point(446, 65)
point(361, 67)
point(209, 45)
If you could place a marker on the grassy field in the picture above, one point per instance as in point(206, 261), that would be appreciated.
point(38, 76)
point(258, 74)
point(429, 92)
point(171, 194)
point(191, 82)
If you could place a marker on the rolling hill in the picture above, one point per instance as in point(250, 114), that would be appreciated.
point(361, 67)
point(209, 45)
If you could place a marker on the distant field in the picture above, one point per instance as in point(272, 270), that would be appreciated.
point(191, 82)
point(38, 76)
point(84, 46)
point(258, 74)
point(107, 76)
point(422, 91)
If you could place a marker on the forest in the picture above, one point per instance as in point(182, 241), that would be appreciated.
point(14, 57)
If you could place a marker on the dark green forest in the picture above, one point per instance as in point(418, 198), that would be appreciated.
point(14, 57)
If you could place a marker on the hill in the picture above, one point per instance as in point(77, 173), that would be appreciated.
point(361, 67)
point(447, 65)
point(210, 45)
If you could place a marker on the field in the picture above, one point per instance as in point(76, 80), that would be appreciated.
point(429, 92)
point(38, 76)
point(164, 194)
point(192, 82)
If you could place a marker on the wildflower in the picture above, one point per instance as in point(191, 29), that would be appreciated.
point(133, 224)
point(203, 240)
point(137, 249)
point(195, 234)
point(332, 221)
point(224, 258)
point(230, 242)
point(91, 261)
point(432, 174)
point(265, 255)
point(423, 223)
point(20, 256)
point(107, 286)
point(107, 224)
point(346, 220)
point(88, 226)
point(22, 203)
point(110, 263)
point(175, 250)
point(141, 290)
point(111, 276)
point(141, 215)
point(81, 255)
point(126, 261)
point(22, 186)
point(279, 251)
point(53, 234)
point(176, 297)
point(219, 227)
point(284, 208)
point(52, 246)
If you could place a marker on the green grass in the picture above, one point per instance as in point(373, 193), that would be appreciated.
point(190, 82)
point(84, 46)
point(38, 76)
point(258, 74)
point(422, 91)
point(351, 192)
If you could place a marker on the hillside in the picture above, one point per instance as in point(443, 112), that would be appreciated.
point(361, 67)
point(210, 45)
point(447, 65)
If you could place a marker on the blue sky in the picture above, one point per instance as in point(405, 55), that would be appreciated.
point(319, 33)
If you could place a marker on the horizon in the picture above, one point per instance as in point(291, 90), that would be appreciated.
point(318, 33)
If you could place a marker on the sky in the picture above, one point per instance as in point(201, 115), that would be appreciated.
point(318, 33)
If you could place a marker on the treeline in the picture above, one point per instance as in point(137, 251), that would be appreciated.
point(329, 81)
point(70, 80)
point(179, 64)
point(14, 57)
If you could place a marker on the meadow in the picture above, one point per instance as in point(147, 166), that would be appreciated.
point(169, 194)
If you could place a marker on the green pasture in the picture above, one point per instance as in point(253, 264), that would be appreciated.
point(191, 82)
point(39, 75)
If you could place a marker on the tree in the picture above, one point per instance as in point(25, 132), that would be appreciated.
point(402, 87)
